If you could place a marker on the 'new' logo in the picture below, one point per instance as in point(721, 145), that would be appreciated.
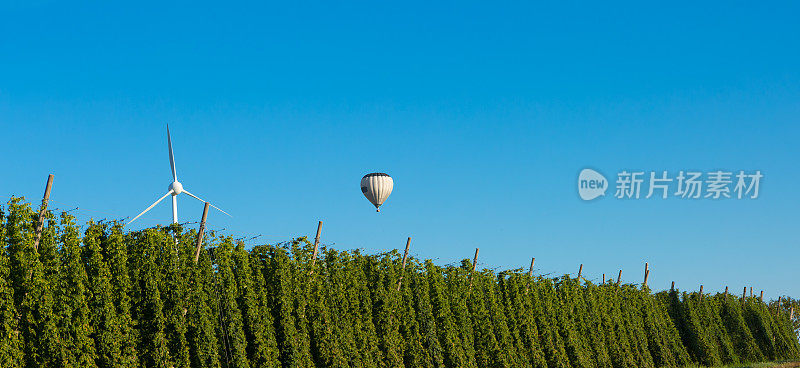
point(591, 184)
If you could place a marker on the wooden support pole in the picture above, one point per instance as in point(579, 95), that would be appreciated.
point(39, 227)
point(42, 211)
point(530, 275)
point(778, 308)
point(791, 314)
point(672, 288)
point(604, 279)
point(619, 277)
point(761, 298)
point(726, 293)
point(316, 246)
point(200, 233)
point(199, 245)
point(474, 263)
point(580, 270)
point(40, 222)
point(744, 292)
point(751, 291)
point(701, 292)
point(530, 270)
point(403, 268)
point(646, 273)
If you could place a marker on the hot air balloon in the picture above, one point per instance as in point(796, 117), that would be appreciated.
point(377, 187)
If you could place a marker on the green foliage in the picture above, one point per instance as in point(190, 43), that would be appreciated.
point(742, 338)
point(202, 315)
point(148, 310)
point(259, 323)
point(104, 297)
point(76, 328)
point(231, 316)
point(104, 317)
point(10, 340)
point(115, 249)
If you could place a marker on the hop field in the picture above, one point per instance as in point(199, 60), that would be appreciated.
point(99, 296)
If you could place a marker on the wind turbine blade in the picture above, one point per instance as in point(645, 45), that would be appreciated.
point(148, 208)
point(198, 198)
point(220, 210)
point(171, 156)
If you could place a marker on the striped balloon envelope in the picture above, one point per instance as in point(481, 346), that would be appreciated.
point(377, 187)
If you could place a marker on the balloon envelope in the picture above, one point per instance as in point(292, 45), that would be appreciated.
point(377, 187)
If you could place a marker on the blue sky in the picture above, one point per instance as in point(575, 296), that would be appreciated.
point(483, 113)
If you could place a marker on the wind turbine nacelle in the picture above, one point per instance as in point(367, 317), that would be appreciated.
point(176, 188)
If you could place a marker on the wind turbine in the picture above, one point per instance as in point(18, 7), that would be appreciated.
point(174, 189)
